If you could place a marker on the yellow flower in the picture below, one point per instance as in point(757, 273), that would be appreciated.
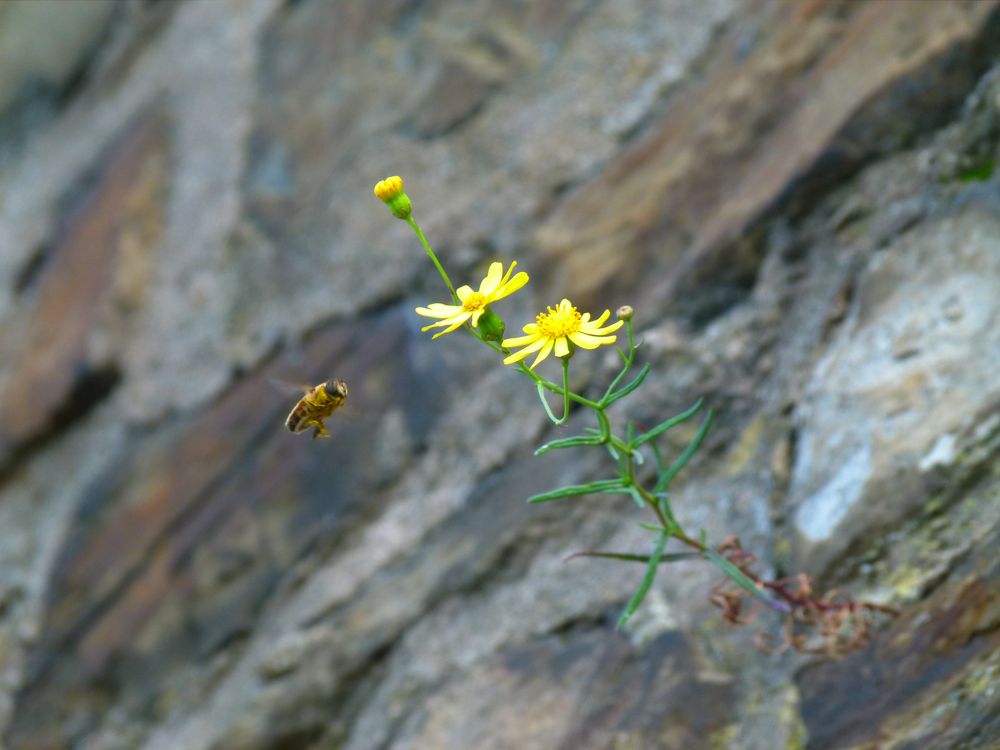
point(496, 285)
point(556, 328)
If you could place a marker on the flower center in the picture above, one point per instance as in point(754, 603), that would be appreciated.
point(558, 323)
point(475, 301)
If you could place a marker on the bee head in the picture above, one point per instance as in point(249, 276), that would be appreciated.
point(336, 388)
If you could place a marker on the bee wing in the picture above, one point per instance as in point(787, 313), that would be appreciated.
point(286, 386)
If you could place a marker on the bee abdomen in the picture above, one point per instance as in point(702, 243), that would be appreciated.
point(294, 422)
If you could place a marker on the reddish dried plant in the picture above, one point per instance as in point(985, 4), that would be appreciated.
point(832, 623)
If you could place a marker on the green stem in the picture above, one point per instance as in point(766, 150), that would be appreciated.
point(548, 410)
point(625, 369)
point(434, 259)
point(550, 386)
point(565, 388)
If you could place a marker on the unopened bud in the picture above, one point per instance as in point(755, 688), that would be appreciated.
point(491, 326)
point(389, 188)
point(390, 191)
point(625, 312)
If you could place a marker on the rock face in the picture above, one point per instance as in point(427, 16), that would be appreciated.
point(799, 200)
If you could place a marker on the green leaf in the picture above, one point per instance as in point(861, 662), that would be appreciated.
point(604, 485)
point(668, 530)
point(672, 422)
point(741, 579)
point(545, 404)
point(569, 442)
point(661, 465)
point(636, 382)
point(653, 527)
point(647, 581)
point(626, 557)
point(637, 497)
point(666, 478)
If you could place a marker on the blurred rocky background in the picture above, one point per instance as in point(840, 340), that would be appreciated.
point(798, 197)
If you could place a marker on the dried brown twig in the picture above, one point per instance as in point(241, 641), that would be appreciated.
point(833, 623)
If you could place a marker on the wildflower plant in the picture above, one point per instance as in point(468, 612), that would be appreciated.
point(812, 623)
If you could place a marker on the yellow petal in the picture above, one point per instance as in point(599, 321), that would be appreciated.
point(438, 310)
point(604, 316)
point(534, 346)
point(463, 291)
point(494, 278)
point(508, 288)
point(562, 347)
point(506, 276)
point(475, 317)
point(519, 341)
point(455, 325)
point(546, 350)
point(595, 330)
point(586, 341)
point(460, 318)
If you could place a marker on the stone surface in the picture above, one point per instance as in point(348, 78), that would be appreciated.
point(43, 46)
point(908, 370)
point(798, 198)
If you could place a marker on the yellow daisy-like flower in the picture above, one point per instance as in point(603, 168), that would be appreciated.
point(495, 286)
point(554, 329)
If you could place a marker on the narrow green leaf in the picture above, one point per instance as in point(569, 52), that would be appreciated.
point(624, 556)
point(665, 479)
point(569, 442)
point(740, 578)
point(668, 530)
point(661, 465)
point(604, 485)
point(636, 382)
point(545, 404)
point(673, 421)
point(647, 581)
point(637, 497)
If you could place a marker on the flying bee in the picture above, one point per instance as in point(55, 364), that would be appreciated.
point(319, 403)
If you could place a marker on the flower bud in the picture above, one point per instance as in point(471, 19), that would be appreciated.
point(625, 312)
point(389, 188)
point(491, 326)
point(390, 191)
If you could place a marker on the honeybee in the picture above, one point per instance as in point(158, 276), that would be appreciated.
point(319, 403)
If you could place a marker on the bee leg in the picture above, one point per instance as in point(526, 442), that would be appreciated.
point(320, 431)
